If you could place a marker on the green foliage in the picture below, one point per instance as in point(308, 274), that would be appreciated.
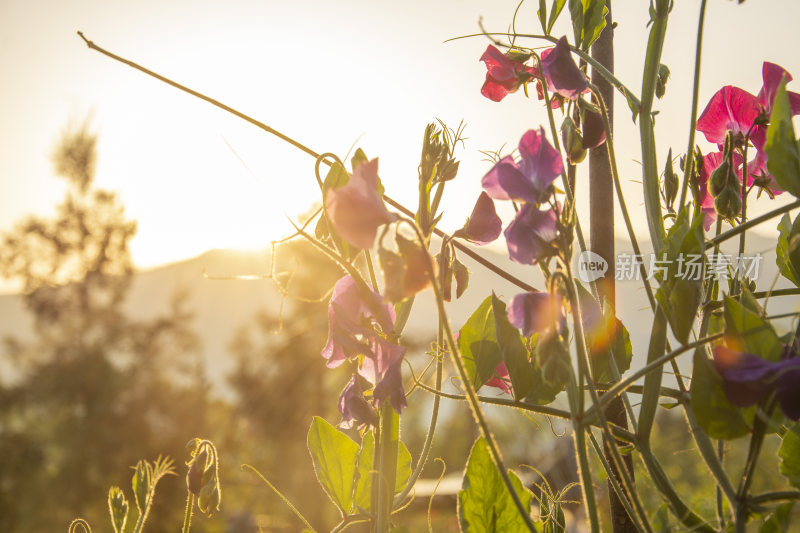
point(477, 342)
point(607, 338)
point(588, 20)
point(335, 456)
point(790, 455)
point(679, 294)
point(118, 507)
point(361, 500)
point(781, 147)
point(512, 350)
point(778, 521)
point(555, 10)
point(788, 249)
point(484, 504)
point(746, 331)
point(714, 412)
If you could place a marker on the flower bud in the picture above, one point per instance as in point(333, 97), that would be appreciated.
point(553, 359)
point(661, 82)
point(141, 484)
point(194, 478)
point(728, 204)
point(573, 141)
point(670, 182)
point(719, 179)
point(118, 507)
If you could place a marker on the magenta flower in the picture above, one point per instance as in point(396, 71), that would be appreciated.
point(534, 312)
point(501, 379)
point(730, 109)
point(355, 410)
point(504, 74)
point(531, 235)
point(530, 179)
point(356, 209)
point(483, 225)
point(390, 389)
point(748, 379)
point(353, 319)
point(560, 71)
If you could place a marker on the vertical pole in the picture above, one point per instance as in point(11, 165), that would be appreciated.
point(601, 220)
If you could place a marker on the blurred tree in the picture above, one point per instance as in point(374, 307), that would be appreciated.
point(96, 390)
point(281, 382)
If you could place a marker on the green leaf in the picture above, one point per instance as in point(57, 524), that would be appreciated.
point(361, 500)
point(609, 336)
point(588, 20)
point(484, 504)
point(783, 153)
point(512, 350)
point(478, 344)
point(555, 11)
point(679, 293)
point(542, 14)
point(789, 453)
point(779, 521)
point(335, 456)
point(747, 332)
point(711, 407)
point(788, 249)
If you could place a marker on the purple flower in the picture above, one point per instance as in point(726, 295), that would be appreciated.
point(531, 178)
point(355, 410)
point(390, 388)
point(531, 235)
point(533, 312)
point(353, 317)
point(748, 379)
point(356, 209)
point(483, 225)
point(562, 74)
point(504, 74)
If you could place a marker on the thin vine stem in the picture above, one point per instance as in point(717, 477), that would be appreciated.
point(688, 170)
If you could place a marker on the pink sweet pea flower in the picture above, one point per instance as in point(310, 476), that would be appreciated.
point(356, 209)
point(530, 179)
point(504, 75)
point(483, 225)
point(731, 108)
point(531, 235)
point(533, 312)
point(352, 322)
point(560, 71)
point(501, 379)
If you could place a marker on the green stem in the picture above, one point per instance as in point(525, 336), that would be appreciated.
point(387, 466)
point(689, 163)
point(623, 497)
point(722, 237)
point(472, 396)
point(760, 425)
point(775, 496)
point(187, 517)
point(652, 199)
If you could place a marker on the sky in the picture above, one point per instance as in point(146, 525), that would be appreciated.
point(329, 74)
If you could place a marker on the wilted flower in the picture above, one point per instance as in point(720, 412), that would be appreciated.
point(594, 131)
point(504, 73)
point(534, 312)
point(748, 378)
point(356, 209)
point(560, 71)
point(531, 235)
point(530, 179)
point(483, 225)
